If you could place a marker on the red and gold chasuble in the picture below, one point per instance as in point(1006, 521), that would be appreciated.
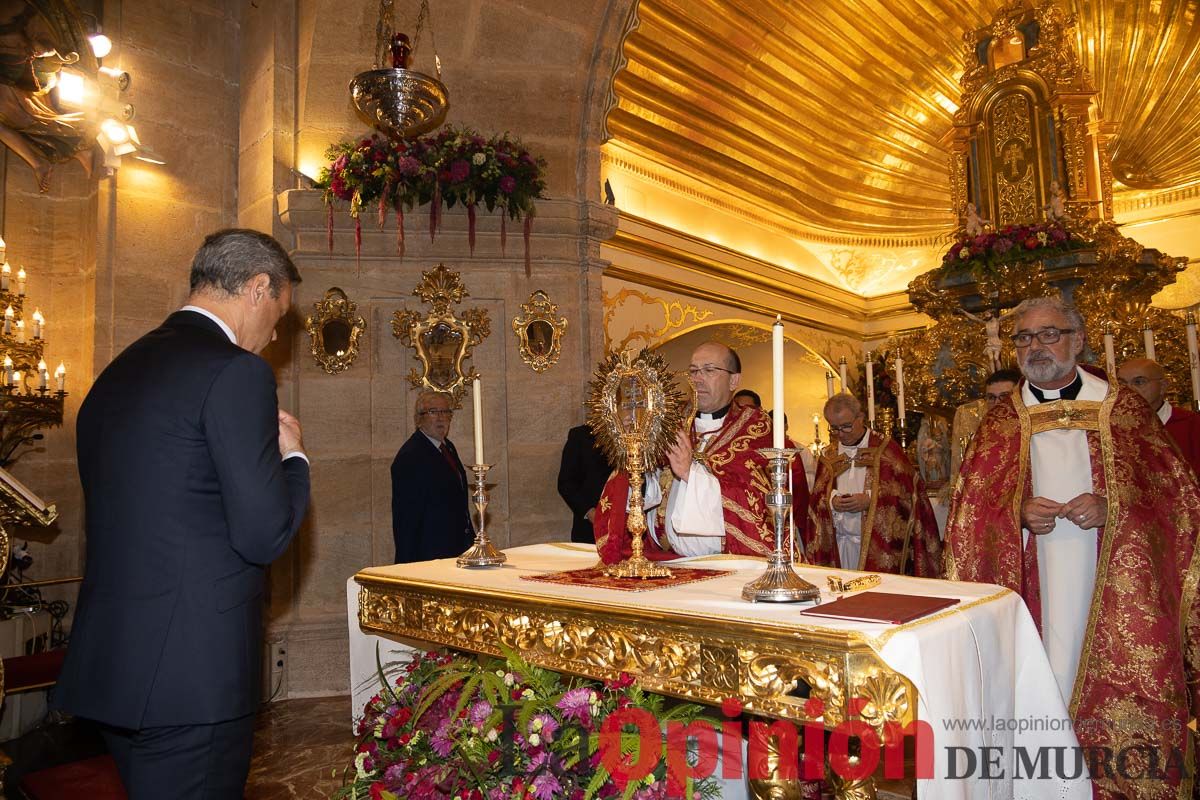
point(732, 456)
point(1137, 683)
point(899, 531)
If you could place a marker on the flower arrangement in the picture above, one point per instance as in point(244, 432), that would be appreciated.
point(455, 165)
point(454, 729)
point(981, 255)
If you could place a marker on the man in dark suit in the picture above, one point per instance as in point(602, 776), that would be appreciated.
point(193, 482)
point(581, 478)
point(429, 488)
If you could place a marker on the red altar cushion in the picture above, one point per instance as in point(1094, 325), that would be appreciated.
point(21, 672)
point(93, 778)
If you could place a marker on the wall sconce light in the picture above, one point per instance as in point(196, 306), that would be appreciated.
point(101, 44)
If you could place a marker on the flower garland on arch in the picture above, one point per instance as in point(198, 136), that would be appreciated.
point(452, 166)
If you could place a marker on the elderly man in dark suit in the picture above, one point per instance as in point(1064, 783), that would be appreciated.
point(429, 488)
point(193, 482)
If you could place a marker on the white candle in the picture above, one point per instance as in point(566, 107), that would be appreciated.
point(5, 272)
point(870, 390)
point(900, 388)
point(477, 396)
point(816, 431)
point(777, 383)
point(828, 383)
point(1110, 353)
point(38, 323)
point(43, 375)
point(1148, 339)
point(842, 373)
point(21, 281)
point(3, 249)
point(61, 373)
point(21, 331)
point(1193, 357)
point(8, 321)
point(8, 370)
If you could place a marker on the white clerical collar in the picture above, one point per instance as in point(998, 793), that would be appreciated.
point(1164, 411)
point(214, 318)
point(436, 442)
point(861, 442)
point(718, 414)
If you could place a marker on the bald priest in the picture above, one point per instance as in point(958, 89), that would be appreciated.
point(711, 498)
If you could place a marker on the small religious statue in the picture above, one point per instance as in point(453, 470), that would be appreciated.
point(933, 451)
point(991, 327)
point(972, 222)
point(1056, 209)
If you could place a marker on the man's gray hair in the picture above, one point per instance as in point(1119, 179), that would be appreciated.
point(230, 257)
point(422, 403)
point(843, 401)
point(1068, 310)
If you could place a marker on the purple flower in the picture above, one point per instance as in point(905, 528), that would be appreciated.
point(441, 741)
point(480, 712)
point(460, 170)
point(546, 786)
point(549, 725)
point(1002, 245)
point(575, 704)
point(407, 165)
point(507, 184)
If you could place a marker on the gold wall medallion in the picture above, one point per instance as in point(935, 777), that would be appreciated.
point(335, 328)
point(442, 341)
point(540, 332)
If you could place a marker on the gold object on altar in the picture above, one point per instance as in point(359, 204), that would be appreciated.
point(335, 328)
point(540, 331)
point(635, 409)
point(442, 341)
point(839, 586)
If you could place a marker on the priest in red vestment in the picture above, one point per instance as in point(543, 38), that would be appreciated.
point(868, 509)
point(1149, 380)
point(1072, 495)
point(711, 496)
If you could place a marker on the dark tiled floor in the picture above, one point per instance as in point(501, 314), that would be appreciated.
point(300, 749)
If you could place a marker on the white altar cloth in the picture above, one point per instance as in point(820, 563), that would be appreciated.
point(979, 668)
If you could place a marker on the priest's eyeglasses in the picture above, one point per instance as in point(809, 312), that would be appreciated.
point(708, 370)
point(1045, 336)
point(439, 412)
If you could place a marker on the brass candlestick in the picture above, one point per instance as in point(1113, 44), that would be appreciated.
point(482, 552)
point(637, 565)
point(780, 583)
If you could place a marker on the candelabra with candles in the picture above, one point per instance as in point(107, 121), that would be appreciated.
point(27, 404)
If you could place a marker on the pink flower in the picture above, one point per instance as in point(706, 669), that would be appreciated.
point(546, 786)
point(575, 704)
point(407, 165)
point(507, 184)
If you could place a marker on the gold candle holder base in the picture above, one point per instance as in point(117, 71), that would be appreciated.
point(482, 553)
point(637, 567)
point(780, 583)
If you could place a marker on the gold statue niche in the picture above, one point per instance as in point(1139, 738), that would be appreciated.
point(1028, 142)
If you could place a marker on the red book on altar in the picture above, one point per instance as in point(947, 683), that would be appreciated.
point(895, 609)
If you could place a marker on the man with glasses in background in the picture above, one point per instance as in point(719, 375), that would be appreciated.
point(709, 497)
point(869, 510)
point(1148, 379)
point(1073, 497)
point(430, 517)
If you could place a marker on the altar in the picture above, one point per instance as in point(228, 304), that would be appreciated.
point(957, 670)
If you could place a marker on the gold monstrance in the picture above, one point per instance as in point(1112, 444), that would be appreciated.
point(635, 408)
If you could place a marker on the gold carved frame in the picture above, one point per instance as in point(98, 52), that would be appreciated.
point(441, 340)
point(539, 332)
point(334, 311)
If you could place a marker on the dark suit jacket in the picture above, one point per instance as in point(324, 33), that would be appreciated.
point(581, 478)
point(430, 518)
point(186, 503)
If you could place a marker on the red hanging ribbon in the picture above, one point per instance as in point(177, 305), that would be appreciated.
point(528, 229)
point(358, 243)
point(471, 227)
point(329, 228)
point(434, 207)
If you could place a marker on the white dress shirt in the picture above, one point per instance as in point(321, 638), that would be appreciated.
point(694, 521)
point(847, 525)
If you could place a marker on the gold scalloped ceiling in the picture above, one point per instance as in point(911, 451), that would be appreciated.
point(829, 113)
